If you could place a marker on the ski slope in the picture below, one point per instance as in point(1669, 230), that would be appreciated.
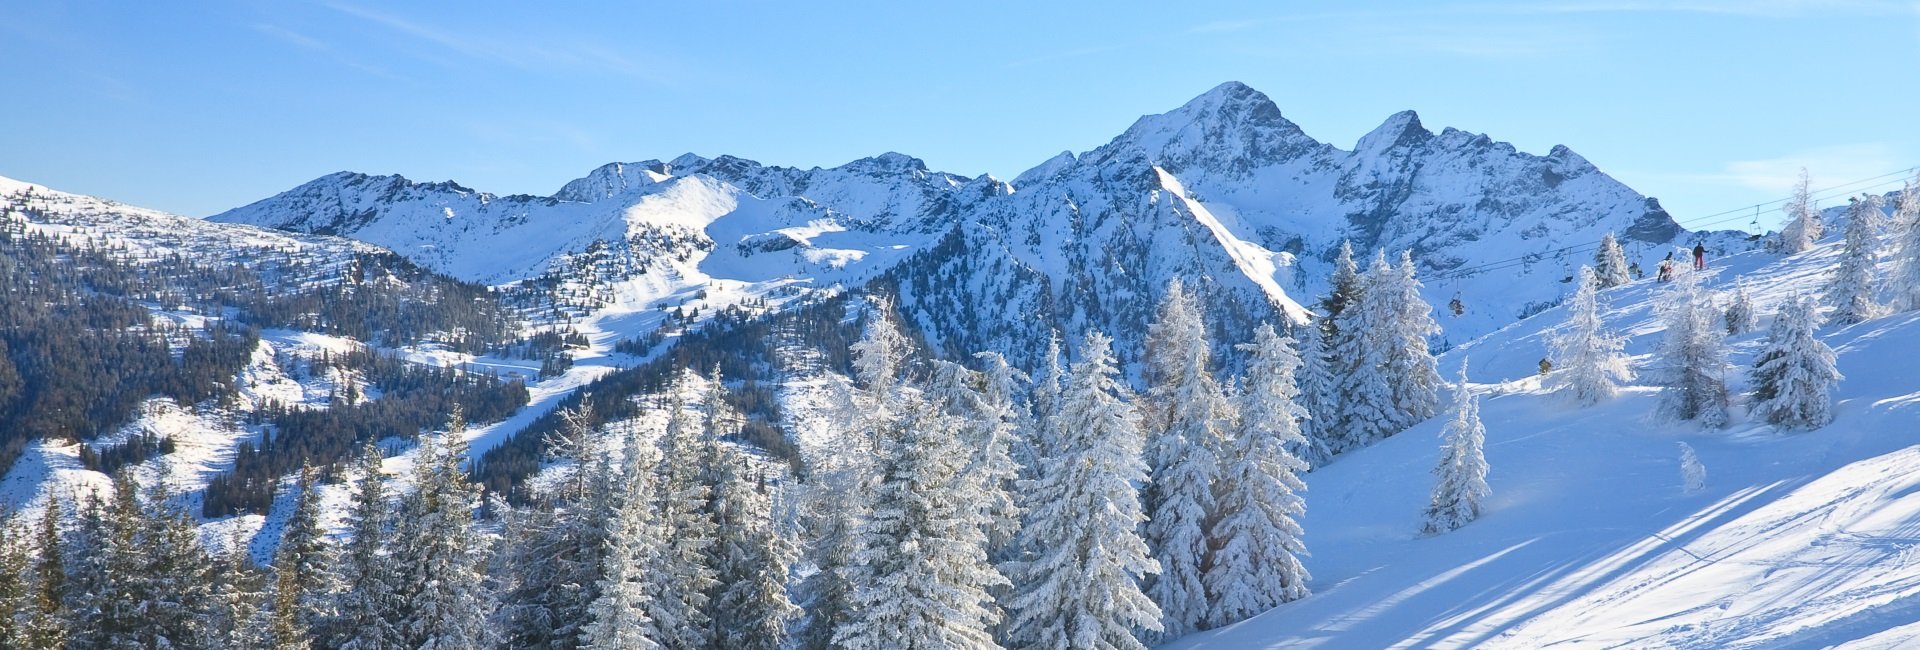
point(1589, 540)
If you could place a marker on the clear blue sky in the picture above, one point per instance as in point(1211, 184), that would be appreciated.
point(197, 107)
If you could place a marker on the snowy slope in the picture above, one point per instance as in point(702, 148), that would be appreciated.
point(1798, 540)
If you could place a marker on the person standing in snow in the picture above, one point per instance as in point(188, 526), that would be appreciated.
point(1699, 256)
point(1666, 268)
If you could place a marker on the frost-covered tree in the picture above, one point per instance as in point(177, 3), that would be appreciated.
point(555, 550)
point(1186, 417)
point(1803, 226)
point(1256, 563)
point(365, 602)
point(1080, 588)
point(1589, 364)
point(1610, 263)
point(142, 578)
point(1315, 387)
point(303, 575)
point(921, 572)
point(1460, 483)
point(1739, 316)
point(748, 606)
point(43, 621)
point(1692, 355)
point(1905, 279)
point(241, 616)
point(1851, 289)
point(1339, 339)
point(14, 588)
point(994, 434)
point(1794, 375)
point(1693, 475)
point(438, 558)
point(842, 487)
point(617, 619)
point(1361, 396)
point(681, 575)
point(1046, 400)
point(1411, 370)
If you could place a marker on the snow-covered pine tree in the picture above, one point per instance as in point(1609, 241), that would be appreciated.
point(173, 577)
point(13, 582)
point(365, 603)
point(617, 618)
point(556, 547)
point(920, 573)
point(302, 572)
point(1589, 365)
point(1315, 386)
point(1803, 226)
point(994, 435)
point(44, 625)
point(1362, 397)
point(100, 545)
point(681, 577)
point(1693, 355)
point(1080, 589)
point(1322, 387)
point(438, 557)
point(1186, 421)
point(242, 617)
point(1610, 263)
point(1256, 561)
point(1411, 370)
point(1460, 483)
point(843, 485)
point(1739, 315)
point(1046, 400)
point(1905, 279)
point(1795, 374)
point(1693, 475)
point(748, 606)
point(1852, 287)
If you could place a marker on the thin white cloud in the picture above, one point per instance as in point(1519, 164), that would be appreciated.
point(1828, 166)
point(530, 54)
point(1766, 8)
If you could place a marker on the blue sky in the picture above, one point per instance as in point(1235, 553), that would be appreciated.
point(197, 107)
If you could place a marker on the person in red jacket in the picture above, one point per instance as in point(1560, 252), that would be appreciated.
point(1699, 256)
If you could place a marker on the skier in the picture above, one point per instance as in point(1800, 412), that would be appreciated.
point(1546, 366)
point(1666, 268)
point(1699, 256)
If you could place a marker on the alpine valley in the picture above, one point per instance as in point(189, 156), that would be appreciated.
point(361, 309)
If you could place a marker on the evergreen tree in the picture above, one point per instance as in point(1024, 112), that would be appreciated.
point(1410, 367)
point(44, 625)
point(618, 617)
point(1851, 289)
point(438, 557)
point(1905, 279)
point(1315, 387)
point(681, 577)
point(1256, 564)
point(842, 491)
point(14, 590)
point(1336, 335)
point(302, 572)
point(1590, 363)
point(1740, 316)
point(752, 611)
point(1693, 356)
point(1610, 263)
point(1187, 413)
point(1803, 226)
point(1693, 475)
point(920, 569)
point(142, 580)
point(992, 432)
point(241, 617)
point(1361, 397)
point(1081, 587)
point(1795, 374)
point(366, 603)
point(1461, 476)
point(556, 550)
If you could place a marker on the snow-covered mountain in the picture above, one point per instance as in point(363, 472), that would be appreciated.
point(1223, 191)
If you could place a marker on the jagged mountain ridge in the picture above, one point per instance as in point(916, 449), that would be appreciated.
point(1224, 191)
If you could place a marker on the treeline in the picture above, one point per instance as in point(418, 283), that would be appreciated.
point(80, 350)
point(413, 398)
point(736, 343)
